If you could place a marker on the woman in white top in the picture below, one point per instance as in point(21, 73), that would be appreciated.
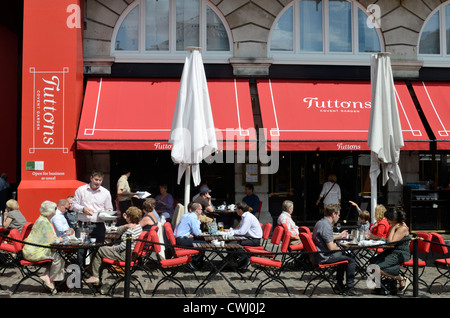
point(331, 192)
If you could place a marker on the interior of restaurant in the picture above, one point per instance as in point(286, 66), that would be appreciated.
point(299, 178)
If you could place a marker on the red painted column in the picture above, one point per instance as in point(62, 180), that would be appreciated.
point(52, 89)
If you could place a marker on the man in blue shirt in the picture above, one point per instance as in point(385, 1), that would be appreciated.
point(189, 226)
point(251, 199)
point(187, 229)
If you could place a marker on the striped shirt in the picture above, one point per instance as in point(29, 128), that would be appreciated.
point(134, 235)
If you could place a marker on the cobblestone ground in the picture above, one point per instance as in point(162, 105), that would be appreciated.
point(217, 288)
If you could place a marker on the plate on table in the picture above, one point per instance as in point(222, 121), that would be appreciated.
point(109, 212)
point(74, 241)
point(106, 217)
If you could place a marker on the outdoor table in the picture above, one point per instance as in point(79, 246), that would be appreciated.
point(236, 238)
point(69, 252)
point(363, 254)
point(222, 252)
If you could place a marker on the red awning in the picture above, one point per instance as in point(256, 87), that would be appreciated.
point(329, 115)
point(136, 114)
point(435, 102)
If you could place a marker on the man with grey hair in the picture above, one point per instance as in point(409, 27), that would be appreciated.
point(286, 219)
point(60, 223)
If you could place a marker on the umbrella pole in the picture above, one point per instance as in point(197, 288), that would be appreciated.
point(187, 187)
point(373, 197)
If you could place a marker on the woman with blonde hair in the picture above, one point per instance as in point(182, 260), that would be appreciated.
point(13, 218)
point(380, 229)
point(43, 234)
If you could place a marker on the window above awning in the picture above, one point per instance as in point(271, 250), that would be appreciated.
point(434, 98)
point(329, 115)
point(136, 114)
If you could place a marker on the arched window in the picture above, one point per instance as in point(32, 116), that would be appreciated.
point(160, 30)
point(434, 39)
point(324, 31)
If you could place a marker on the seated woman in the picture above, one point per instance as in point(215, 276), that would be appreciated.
point(150, 218)
point(164, 202)
point(116, 252)
point(390, 259)
point(13, 218)
point(43, 233)
point(381, 228)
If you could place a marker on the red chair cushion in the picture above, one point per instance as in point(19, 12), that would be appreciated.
point(443, 261)
point(296, 247)
point(24, 262)
point(249, 248)
point(116, 263)
point(185, 252)
point(176, 261)
point(265, 261)
point(332, 264)
point(410, 263)
point(8, 247)
point(260, 252)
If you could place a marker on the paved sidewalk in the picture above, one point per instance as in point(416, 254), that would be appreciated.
point(217, 288)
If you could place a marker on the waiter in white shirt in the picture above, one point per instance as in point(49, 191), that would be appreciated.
point(89, 200)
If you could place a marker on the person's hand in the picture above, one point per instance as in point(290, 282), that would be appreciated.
point(397, 226)
point(353, 203)
point(88, 211)
point(343, 234)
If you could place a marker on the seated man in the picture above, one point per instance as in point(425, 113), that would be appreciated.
point(324, 239)
point(251, 229)
point(59, 221)
point(205, 201)
point(188, 228)
point(286, 218)
point(251, 199)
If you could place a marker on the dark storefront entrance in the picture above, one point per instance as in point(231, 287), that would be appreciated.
point(302, 174)
point(152, 168)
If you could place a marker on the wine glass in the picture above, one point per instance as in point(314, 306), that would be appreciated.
point(338, 227)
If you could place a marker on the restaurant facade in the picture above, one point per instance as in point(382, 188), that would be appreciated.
point(93, 84)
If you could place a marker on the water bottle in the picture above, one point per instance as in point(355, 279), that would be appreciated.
point(214, 227)
point(83, 233)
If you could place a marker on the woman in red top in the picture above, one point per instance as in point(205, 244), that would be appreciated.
point(380, 229)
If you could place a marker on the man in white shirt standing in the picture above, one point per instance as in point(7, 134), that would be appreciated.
point(89, 200)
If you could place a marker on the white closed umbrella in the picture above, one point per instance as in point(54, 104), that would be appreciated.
point(192, 133)
point(385, 132)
